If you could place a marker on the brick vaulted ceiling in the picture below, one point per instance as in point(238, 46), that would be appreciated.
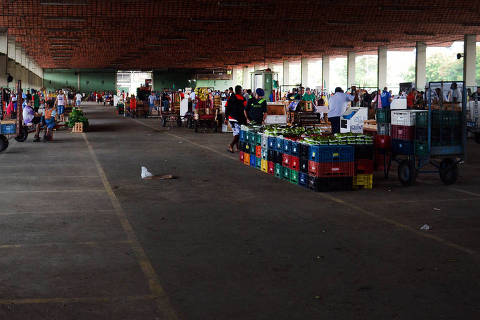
point(153, 34)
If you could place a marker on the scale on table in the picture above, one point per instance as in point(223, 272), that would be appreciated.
point(352, 120)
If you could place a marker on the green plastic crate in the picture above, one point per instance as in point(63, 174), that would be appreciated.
point(294, 176)
point(258, 139)
point(421, 148)
point(286, 173)
point(250, 136)
point(258, 163)
point(278, 170)
point(421, 120)
point(383, 116)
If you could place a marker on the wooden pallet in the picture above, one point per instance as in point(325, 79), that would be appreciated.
point(78, 127)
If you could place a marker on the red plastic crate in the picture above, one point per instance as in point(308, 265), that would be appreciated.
point(286, 160)
point(241, 155)
point(271, 167)
point(380, 160)
point(331, 169)
point(364, 166)
point(294, 163)
point(258, 151)
point(383, 142)
point(406, 133)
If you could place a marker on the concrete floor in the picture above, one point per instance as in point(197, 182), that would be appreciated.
point(83, 237)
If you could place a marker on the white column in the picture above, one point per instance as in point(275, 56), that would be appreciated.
point(3, 58)
point(382, 67)
point(421, 66)
point(326, 72)
point(286, 73)
point(351, 69)
point(304, 71)
point(246, 78)
point(469, 60)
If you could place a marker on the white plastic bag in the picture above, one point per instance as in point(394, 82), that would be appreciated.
point(146, 173)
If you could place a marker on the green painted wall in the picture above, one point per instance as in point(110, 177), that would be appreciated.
point(217, 84)
point(89, 80)
point(174, 79)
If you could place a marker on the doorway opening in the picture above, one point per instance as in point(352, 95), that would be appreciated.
point(129, 81)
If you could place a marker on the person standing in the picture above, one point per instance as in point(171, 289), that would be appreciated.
point(256, 110)
point(235, 114)
point(337, 104)
point(78, 99)
point(151, 102)
point(386, 98)
point(60, 103)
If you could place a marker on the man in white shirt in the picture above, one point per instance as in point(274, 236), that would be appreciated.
point(336, 105)
point(61, 102)
point(78, 99)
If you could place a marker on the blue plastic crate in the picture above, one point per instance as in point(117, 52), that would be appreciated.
point(253, 161)
point(403, 147)
point(242, 135)
point(287, 146)
point(279, 144)
point(295, 149)
point(272, 142)
point(8, 128)
point(332, 153)
point(303, 179)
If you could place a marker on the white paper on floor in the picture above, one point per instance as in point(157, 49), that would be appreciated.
point(146, 173)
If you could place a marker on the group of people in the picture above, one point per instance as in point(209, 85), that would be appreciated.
point(240, 110)
point(40, 108)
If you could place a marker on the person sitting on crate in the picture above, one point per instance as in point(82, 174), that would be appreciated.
point(32, 119)
point(50, 114)
point(256, 110)
point(235, 113)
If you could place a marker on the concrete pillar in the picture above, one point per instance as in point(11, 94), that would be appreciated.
point(351, 56)
point(304, 71)
point(3, 58)
point(469, 60)
point(382, 67)
point(246, 78)
point(326, 72)
point(286, 73)
point(421, 66)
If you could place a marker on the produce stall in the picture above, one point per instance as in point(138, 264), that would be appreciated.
point(310, 158)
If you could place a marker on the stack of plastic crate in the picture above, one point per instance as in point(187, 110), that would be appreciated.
point(364, 166)
point(403, 131)
point(421, 134)
point(446, 128)
point(383, 140)
point(303, 155)
point(331, 168)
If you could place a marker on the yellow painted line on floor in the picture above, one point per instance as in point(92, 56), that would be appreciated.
point(399, 225)
point(340, 201)
point(453, 188)
point(223, 154)
point(54, 244)
point(75, 300)
point(161, 298)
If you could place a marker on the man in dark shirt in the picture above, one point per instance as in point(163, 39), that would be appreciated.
point(256, 110)
point(235, 113)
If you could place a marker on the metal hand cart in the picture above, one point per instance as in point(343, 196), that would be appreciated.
point(170, 112)
point(440, 139)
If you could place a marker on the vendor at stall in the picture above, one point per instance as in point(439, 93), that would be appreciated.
point(256, 110)
point(293, 95)
point(337, 104)
point(411, 98)
point(310, 96)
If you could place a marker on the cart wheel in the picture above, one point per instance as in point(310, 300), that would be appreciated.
point(477, 137)
point(407, 173)
point(448, 171)
point(195, 125)
point(164, 121)
point(179, 122)
point(3, 143)
point(22, 137)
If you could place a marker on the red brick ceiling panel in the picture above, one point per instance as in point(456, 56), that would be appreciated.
point(151, 34)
